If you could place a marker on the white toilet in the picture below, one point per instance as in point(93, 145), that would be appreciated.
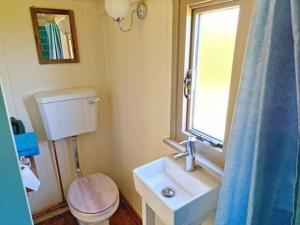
point(66, 113)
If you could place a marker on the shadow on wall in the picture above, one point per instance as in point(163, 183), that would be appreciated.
point(37, 125)
point(64, 154)
point(35, 117)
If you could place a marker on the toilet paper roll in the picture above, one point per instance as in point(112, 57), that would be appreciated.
point(29, 179)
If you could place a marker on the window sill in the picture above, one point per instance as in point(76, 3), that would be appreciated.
point(206, 164)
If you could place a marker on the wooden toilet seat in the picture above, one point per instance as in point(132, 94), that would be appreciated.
point(93, 194)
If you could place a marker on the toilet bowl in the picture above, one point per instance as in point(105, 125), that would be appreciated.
point(93, 199)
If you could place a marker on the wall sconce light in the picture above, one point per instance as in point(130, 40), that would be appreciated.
point(119, 9)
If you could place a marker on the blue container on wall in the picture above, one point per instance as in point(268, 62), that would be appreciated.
point(27, 144)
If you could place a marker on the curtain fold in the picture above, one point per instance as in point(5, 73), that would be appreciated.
point(260, 180)
point(295, 6)
point(55, 45)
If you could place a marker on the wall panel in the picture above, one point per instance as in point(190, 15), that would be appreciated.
point(22, 77)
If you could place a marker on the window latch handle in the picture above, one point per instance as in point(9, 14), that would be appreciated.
point(187, 82)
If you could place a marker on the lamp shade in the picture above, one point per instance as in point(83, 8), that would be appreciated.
point(117, 8)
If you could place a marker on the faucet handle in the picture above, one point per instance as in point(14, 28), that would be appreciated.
point(191, 138)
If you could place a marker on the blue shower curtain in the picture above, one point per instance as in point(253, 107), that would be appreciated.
point(55, 46)
point(261, 179)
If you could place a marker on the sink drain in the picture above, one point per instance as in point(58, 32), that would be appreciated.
point(168, 192)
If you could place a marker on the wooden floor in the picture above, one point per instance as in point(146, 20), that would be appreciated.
point(121, 217)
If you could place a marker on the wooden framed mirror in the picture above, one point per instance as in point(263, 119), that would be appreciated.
point(55, 35)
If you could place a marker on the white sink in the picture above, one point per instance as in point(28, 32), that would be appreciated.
point(196, 195)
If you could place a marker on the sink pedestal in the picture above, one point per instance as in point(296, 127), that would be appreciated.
point(148, 215)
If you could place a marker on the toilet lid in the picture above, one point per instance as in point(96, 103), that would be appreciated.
point(93, 194)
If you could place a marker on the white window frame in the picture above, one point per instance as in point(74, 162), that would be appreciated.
point(182, 35)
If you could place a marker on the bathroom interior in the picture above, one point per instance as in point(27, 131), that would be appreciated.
point(153, 112)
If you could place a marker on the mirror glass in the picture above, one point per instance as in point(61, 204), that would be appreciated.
point(55, 35)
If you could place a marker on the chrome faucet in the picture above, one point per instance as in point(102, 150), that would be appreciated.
point(189, 154)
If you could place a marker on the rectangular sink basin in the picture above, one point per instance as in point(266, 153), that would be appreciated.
point(196, 193)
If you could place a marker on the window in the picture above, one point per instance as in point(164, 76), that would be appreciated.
point(209, 44)
point(213, 45)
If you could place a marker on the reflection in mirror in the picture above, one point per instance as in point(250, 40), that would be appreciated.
point(55, 35)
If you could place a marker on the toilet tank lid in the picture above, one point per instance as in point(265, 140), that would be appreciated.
point(51, 96)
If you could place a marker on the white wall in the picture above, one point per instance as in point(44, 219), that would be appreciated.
point(23, 76)
point(139, 71)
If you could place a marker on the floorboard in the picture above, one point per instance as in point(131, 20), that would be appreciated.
point(121, 217)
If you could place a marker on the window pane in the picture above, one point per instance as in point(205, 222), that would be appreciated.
point(215, 34)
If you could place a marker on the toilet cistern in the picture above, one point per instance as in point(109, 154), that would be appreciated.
point(189, 154)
